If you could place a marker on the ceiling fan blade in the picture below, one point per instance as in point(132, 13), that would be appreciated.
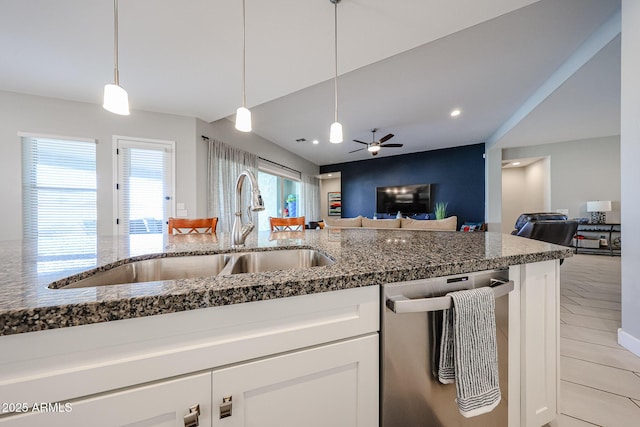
point(386, 138)
point(359, 149)
point(392, 145)
point(360, 142)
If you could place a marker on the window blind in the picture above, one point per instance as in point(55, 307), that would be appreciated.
point(59, 198)
point(144, 180)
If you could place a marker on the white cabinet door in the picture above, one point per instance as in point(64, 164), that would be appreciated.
point(332, 385)
point(162, 404)
point(540, 337)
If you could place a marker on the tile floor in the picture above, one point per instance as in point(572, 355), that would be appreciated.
point(600, 380)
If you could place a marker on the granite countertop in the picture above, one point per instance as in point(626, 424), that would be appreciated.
point(363, 257)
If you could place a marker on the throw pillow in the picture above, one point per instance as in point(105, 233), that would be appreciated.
point(447, 224)
point(381, 223)
point(344, 222)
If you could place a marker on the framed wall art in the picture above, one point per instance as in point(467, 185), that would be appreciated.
point(335, 203)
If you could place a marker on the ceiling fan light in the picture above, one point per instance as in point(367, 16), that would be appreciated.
point(243, 119)
point(373, 148)
point(335, 134)
point(116, 99)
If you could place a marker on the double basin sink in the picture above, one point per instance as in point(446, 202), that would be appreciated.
point(191, 266)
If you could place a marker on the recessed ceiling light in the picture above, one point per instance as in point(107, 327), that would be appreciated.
point(329, 175)
point(316, 142)
point(455, 113)
point(515, 164)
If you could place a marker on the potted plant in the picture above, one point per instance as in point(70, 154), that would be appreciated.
point(441, 210)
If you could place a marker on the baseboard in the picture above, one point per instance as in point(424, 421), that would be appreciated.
point(629, 342)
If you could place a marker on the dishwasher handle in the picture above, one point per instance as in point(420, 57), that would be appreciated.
point(401, 304)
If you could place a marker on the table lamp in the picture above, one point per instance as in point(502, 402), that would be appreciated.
point(598, 210)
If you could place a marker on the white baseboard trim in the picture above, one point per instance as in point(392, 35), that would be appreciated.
point(629, 342)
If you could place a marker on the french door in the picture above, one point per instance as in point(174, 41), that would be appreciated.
point(144, 186)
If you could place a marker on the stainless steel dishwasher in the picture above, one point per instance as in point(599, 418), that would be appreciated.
point(411, 395)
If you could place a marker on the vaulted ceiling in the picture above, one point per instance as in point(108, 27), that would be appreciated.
point(403, 66)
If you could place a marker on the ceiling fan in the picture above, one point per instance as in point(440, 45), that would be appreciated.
point(374, 146)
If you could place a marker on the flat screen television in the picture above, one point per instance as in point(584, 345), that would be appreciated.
point(408, 199)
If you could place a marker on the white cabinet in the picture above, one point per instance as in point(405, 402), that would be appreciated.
point(308, 357)
point(333, 385)
point(162, 404)
point(534, 344)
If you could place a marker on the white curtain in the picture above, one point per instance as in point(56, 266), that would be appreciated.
point(224, 167)
point(310, 189)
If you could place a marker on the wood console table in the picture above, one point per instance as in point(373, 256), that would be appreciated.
point(611, 232)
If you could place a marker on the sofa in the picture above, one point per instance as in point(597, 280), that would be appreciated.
point(546, 226)
point(447, 224)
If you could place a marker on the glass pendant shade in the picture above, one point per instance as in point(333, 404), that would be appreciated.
point(116, 99)
point(373, 148)
point(335, 134)
point(243, 119)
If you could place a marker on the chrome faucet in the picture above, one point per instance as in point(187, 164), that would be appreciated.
point(241, 231)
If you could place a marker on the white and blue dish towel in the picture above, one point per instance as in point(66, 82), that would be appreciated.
point(468, 351)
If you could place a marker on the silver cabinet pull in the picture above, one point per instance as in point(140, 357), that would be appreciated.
point(225, 407)
point(191, 419)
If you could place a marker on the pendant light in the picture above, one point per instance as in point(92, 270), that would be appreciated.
point(243, 115)
point(335, 134)
point(116, 99)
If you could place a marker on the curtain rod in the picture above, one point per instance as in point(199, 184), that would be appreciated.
point(206, 138)
point(278, 164)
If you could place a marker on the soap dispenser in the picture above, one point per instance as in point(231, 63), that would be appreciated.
point(399, 215)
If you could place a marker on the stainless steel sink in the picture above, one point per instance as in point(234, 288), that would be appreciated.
point(256, 262)
point(169, 268)
point(190, 266)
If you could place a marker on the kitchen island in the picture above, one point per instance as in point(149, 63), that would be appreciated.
point(72, 344)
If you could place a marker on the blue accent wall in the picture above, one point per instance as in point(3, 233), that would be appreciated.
point(456, 175)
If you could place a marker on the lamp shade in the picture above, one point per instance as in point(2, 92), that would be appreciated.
point(243, 119)
point(599, 206)
point(373, 148)
point(116, 99)
point(335, 134)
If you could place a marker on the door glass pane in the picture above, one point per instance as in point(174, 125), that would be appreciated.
point(145, 195)
point(144, 191)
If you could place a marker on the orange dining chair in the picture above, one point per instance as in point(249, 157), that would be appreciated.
point(196, 225)
point(287, 224)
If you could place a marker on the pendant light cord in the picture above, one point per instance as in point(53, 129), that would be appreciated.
point(116, 73)
point(244, 54)
point(335, 80)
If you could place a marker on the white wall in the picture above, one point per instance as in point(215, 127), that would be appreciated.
point(34, 114)
point(630, 173)
point(326, 186)
point(493, 188)
point(524, 189)
point(580, 171)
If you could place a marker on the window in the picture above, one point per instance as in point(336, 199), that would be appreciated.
point(280, 188)
point(59, 200)
point(281, 198)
